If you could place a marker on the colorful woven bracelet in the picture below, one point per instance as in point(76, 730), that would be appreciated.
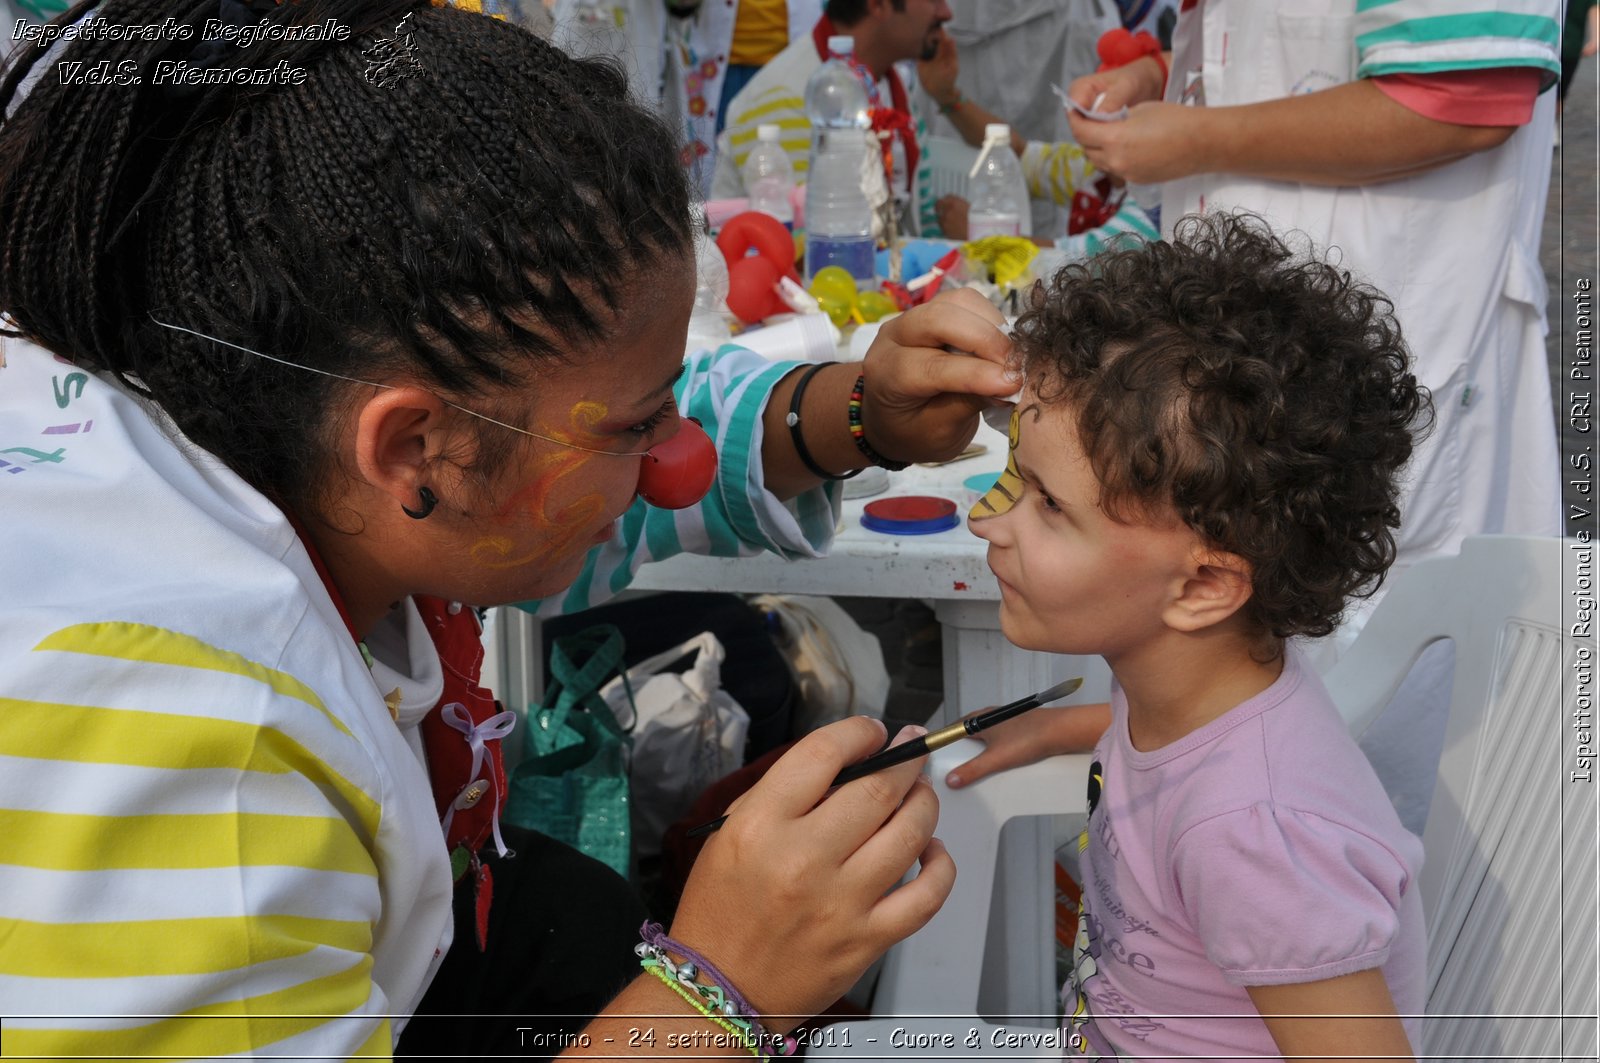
point(859, 434)
point(795, 435)
point(720, 995)
point(689, 993)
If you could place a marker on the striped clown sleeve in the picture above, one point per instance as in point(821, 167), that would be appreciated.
point(1129, 223)
point(187, 856)
point(778, 106)
point(1429, 37)
point(1055, 171)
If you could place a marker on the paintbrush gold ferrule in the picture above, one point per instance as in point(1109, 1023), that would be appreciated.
point(946, 735)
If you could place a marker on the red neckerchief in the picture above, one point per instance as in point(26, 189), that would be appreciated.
point(900, 122)
point(469, 804)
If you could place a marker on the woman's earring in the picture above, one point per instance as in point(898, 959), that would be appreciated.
point(429, 500)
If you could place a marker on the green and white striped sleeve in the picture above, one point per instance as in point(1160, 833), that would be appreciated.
point(727, 392)
point(1130, 224)
point(926, 214)
point(1430, 37)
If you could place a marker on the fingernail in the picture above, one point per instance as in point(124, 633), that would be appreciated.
point(910, 731)
point(953, 781)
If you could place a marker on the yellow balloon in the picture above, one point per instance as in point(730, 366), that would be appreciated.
point(838, 310)
point(875, 305)
point(833, 282)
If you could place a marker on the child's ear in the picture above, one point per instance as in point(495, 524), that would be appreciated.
point(1217, 587)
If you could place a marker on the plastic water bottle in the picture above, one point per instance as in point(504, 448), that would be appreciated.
point(769, 176)
point(836, 97)
point(998, 194)
point(838, 213)
point(708, 321)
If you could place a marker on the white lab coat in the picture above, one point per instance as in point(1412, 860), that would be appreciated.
point(1456, 248)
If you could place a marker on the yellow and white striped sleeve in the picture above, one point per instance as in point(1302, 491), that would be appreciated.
point(187, 855)
point(1055, 171)
point(781, 106)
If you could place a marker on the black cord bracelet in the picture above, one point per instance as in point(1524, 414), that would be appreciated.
point(793, 421)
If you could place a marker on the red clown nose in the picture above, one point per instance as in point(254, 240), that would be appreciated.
point(678, 473)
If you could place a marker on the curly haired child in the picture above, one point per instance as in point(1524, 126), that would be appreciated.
point(1205, 463)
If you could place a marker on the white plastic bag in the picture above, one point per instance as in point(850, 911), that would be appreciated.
point(688, 734)
point(837, 665)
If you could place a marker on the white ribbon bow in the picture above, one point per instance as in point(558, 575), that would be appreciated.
point(478, 736)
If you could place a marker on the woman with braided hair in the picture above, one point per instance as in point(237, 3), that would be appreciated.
point(314, 339)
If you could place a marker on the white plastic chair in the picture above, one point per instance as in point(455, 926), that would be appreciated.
point(950, 159)
point(1510, 842)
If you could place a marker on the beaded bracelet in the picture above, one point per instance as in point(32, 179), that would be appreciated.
point(954, 105)
point(719, 1000)
point(675, 983)
point(859, 434)
point(793, 421)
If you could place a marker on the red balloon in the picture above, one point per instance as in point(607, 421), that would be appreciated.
point(764, 233)
point(678, 473)
point(752, 289)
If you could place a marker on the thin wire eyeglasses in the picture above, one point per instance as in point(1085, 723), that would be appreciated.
point(391, 387)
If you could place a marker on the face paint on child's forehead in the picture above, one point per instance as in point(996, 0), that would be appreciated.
point(1008, 488)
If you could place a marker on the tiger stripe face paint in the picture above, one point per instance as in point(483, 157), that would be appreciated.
point(1008, 488)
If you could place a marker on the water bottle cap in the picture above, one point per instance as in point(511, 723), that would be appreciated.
point(842, 45)
point(997, 131)
point(768, 133)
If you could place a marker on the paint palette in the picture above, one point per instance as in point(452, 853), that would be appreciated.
point(910, 515)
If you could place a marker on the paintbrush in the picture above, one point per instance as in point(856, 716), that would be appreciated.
point(922, 746)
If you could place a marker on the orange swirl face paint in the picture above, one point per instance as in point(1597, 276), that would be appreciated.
point(563, 523)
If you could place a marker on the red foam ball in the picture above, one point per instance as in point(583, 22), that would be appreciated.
point(678, 473)
point(752, 289)
point(754, 229)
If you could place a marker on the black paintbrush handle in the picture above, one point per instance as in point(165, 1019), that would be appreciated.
point(917, 747)
point(924, 744)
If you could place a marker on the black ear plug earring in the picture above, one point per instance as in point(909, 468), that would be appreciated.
point(429, 500)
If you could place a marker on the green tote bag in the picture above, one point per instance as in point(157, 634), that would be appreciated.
point(572, 783)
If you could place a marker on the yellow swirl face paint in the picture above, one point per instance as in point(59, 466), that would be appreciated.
point(562, 524)
point(1008, 488)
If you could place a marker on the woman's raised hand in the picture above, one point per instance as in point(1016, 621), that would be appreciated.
point(923, 401)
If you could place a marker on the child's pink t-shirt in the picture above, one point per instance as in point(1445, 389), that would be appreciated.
point(1258, 850)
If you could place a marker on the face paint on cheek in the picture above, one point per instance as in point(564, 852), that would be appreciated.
point(582, 418)
point(559, 528)
point(1006, 490)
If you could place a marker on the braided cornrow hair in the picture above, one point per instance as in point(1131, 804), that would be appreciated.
point(461, 224)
